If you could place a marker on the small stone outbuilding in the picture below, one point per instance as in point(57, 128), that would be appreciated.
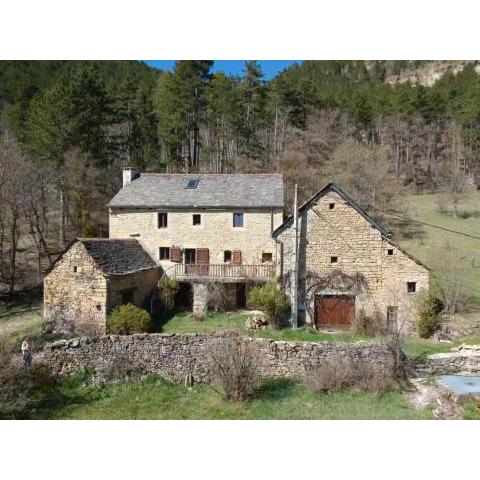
point(92, 277)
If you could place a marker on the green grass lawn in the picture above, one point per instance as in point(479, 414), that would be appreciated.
point(424, 242)
point(276, 400)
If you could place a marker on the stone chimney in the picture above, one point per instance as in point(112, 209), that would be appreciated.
point(130, 174)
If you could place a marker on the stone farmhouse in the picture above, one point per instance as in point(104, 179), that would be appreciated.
point(203, 228)
point(347, 265)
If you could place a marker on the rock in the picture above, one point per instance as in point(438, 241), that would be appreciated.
point(258, 321)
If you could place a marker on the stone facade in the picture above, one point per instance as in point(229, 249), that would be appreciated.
point(331, 227)
point(174, 356)
point(78, 295)
point(216, 231)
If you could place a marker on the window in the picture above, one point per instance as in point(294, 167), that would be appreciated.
point(266, 257)
point(135, 235)
point(238, 219)
point(75, 269)
point(162, 220)
point(227, 256)
point(197, 219)
point(411, 287)
point(390, 251)
point(99, 308)
point(331, 206)
point(192, 184)
point(333, 259)
point(127, 295)
point(164, 253)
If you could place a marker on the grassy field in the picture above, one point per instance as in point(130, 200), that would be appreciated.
point(425, 242)
point(277, 400)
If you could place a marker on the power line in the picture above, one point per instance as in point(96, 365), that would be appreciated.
point(430, 225)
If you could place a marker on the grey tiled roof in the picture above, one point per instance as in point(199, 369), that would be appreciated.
point(222, 190)
point(118, 256)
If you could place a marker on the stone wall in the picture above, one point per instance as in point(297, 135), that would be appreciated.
point(360, 248)
point(75, 294)
point(464, 361)
point(174, 356)
point(216, 232)
point(144, 282)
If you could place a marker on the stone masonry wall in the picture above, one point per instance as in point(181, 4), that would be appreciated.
point(174, 356)
point(344, 233)
point(75, 299)
point(143, 282)
point(216, 232)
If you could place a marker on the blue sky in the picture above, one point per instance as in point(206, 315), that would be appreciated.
point(270, 67)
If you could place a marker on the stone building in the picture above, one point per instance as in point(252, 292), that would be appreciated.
point(203, 228)
point(347, 265)
point(92, 277)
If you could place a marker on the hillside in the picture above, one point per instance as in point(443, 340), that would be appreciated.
point(428, 243)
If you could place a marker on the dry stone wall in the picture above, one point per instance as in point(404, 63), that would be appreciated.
point(174, 356)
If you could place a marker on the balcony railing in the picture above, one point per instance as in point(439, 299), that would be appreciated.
point(262, 271)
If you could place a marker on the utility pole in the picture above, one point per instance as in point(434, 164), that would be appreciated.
point(294, 319)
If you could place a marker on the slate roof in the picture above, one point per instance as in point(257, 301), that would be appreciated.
point(157, 190)
point(118, 256)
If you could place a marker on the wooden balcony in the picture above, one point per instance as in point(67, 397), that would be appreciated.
point(225, 272)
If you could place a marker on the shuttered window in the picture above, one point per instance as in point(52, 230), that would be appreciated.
point(203, 255)
point(175, 254)
point(237, 257)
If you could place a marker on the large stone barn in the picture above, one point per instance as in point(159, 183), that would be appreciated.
point(92, 277)
point(347, 266)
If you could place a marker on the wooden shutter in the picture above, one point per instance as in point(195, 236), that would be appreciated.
point(175, 254)
point(203, 255)
point(237, 257)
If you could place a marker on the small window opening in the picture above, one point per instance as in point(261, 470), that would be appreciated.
point(390, 251)
point(99, 308)
point(192, 184)
point(333, 259)
point(267, 257)
point(164, 253)
point(134, 235)
point(411, 287)
point(197, 219)
point(227, 256)
point(238, 219)
point(162, 220)
point(331, 206)
point(75, 269)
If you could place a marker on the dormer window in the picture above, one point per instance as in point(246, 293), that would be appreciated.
point(192, 184)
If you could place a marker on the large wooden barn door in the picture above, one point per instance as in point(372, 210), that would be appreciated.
point(335, 311)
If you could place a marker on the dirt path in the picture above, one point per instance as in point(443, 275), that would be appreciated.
point(21, 323)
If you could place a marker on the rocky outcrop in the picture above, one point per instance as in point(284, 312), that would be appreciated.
point(461, 361)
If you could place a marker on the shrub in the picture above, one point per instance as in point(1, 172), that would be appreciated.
point(24, 390)
point(428, 320)
point(348, 373)
point(270, 299)
point(234, 366)
point(217, 299)
point(371, 326)
point(167, 290)
point(128, 319)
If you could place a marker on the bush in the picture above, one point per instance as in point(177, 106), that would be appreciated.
point(336, 375)
point(234, 366)
point(24, 390)
point(370, 326)
point(217, 297)
point(270, 299)
point(428, 320)
point(167, 291)
point(128, 319)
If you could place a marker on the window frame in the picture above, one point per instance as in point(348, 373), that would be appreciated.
point(225, 252)
point(242, 217)
point(162, 215)
point(411, 287)
point(267, 261)
point(160, 253)
point(199, 215)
